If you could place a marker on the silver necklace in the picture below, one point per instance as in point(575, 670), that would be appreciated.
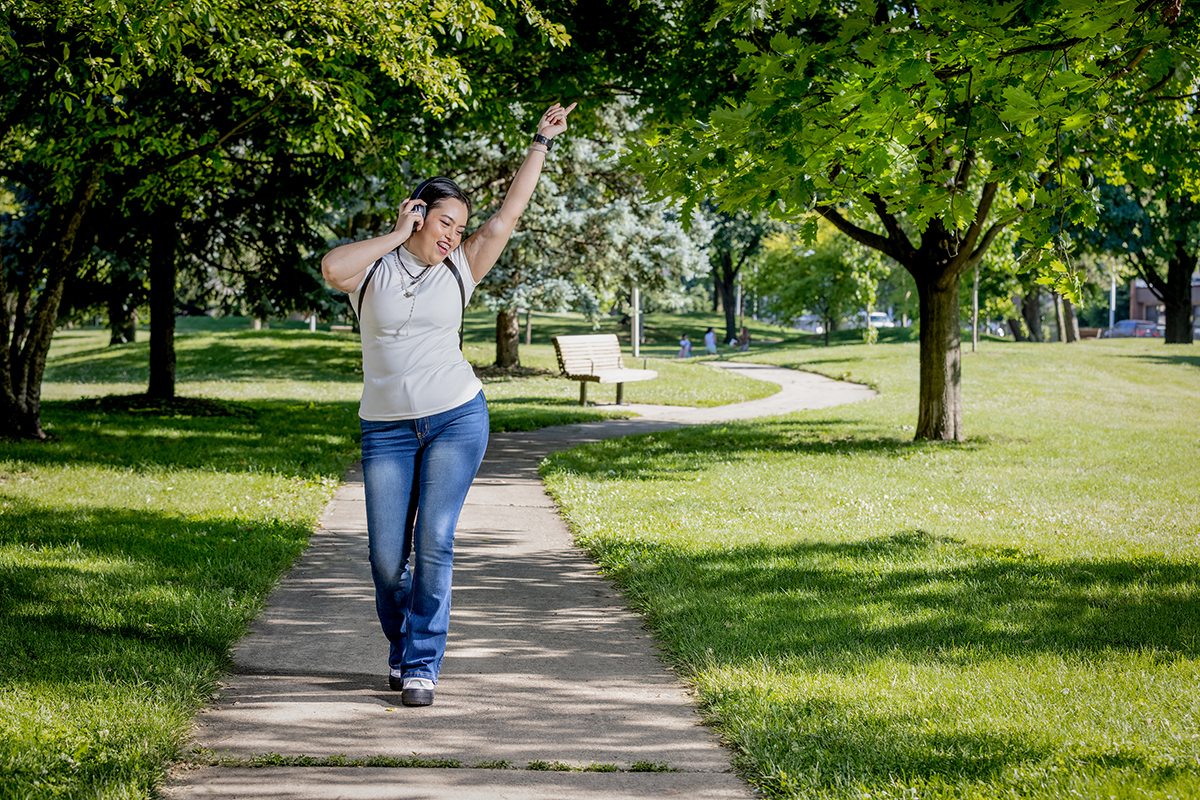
point(409, 274)
point(411, 289)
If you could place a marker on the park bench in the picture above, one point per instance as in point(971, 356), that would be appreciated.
point(596, 358)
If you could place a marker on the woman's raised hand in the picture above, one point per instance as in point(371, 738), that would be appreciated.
point(554, 121)
point(410, 219)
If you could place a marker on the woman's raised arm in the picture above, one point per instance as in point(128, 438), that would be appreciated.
point(484, 246)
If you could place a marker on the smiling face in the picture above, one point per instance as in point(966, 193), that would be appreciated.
point(445, 223)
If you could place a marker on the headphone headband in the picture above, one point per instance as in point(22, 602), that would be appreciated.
point(423, 185)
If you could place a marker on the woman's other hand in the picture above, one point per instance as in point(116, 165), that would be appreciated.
point(410, 219)
point(554, 121)
point(345, 266)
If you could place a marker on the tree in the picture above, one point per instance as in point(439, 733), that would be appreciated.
point(100, 104)
point(943, 120)
point(1157, 233)
point(832, 278)
point(1150, 194)
point(737, 237)
point(587, 235)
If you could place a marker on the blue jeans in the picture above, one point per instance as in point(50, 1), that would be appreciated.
point(416, 474)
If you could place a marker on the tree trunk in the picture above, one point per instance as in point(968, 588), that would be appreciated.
point(1177, 296)
point(528, 326)
point(1031, 311)
point(163, 273)
point(1060, 324)
point(729, 305)
point(725, 278)
point(1015, 327)
point(939, 415)
point(1015, 323)
point(936, 266)
point(122, 310)
point(1071, 320)
point(23, 364)
point(508, 337)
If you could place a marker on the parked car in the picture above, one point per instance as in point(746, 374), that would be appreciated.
point(1127, 328)
point(811, 323)
point(879, 319)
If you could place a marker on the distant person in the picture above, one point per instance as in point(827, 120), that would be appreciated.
point(423, 415)
point(743, 340)
point(685, 347)
point(710, 341)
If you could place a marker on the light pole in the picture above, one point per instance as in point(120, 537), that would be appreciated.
point(1112, 300)
point(635, 335)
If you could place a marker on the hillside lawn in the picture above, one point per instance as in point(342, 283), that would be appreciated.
point(1014, 616)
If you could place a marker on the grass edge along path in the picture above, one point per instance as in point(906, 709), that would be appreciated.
point(865, 616)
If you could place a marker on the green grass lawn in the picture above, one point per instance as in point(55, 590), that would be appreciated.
point(137, 543)
point(864, 616)
point(287, 362)
point(1015, 616)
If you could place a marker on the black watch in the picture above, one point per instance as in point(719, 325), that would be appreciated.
point(537, 137)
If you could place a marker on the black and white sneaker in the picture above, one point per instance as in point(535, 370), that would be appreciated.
point(416, 692)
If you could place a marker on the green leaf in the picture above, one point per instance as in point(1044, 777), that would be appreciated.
point(1021, 105)
point(1070, 80)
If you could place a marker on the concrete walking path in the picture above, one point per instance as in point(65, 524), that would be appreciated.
point(544, 661)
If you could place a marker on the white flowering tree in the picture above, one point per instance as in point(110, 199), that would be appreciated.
point(587, 236)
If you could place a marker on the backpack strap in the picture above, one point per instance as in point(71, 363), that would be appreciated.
point(363, 291)
point(462, 293)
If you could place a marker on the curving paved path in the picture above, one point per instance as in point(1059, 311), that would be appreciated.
point(544, 661)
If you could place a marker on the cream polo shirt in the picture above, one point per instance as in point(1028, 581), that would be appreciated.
point(412, 366)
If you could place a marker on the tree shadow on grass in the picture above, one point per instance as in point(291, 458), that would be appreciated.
point(1166, 359)
point(233, 356)
point(99, 593)
point(305, 439)
point(928, 598)
point(678, 454)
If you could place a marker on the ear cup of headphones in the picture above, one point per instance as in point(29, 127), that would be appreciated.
point(417, 194)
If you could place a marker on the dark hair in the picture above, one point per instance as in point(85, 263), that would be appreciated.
point(435, 190)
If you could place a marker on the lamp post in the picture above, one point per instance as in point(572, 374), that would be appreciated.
point(1112, 300)
point(635, 329)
